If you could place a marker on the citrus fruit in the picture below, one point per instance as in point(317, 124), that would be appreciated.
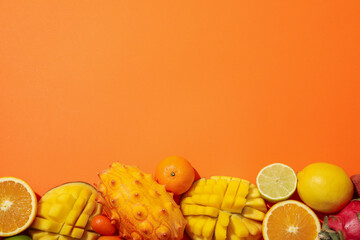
point(17, 206)
point(290, 220)
point(324, 187)
point(276, 182)
point(176, 173)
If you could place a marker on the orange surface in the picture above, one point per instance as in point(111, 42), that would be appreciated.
point(232, 86)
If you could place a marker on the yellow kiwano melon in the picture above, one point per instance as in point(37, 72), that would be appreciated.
point(223, 208)
point(65, 213)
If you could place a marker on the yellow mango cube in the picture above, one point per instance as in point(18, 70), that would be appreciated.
point(237, 227)
point(230, 195)
point(58, 212)
point(46, 225)
point(66, 230)
point(221, 225)
point(77, 232)
point(253, 213)
point(253, 192)
point(252, 226)
point(257, 203)
point(209, 228)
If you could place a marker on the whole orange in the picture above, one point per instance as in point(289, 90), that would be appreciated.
point(176, 173)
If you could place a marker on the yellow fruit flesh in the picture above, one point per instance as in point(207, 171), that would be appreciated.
point(65, 213)
point(221, 226)
point(235, 212)
point(276, 182)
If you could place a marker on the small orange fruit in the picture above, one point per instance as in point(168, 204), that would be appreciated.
point(290, 220)
point(18, 205)
point(176, 173)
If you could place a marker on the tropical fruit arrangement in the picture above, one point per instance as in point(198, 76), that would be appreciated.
point(174, 204)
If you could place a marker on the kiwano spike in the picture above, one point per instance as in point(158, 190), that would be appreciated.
point(137, 198)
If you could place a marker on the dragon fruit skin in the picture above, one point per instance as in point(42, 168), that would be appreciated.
point(356, 181)
point(347, 221)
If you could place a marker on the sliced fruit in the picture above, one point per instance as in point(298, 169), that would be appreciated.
point(240, 199)
point(237, 227)
point(188, 209)
point(276, 182)
point(257, 203)
point(18, 205)
point(253, 192)
point(202, 227)
point(236, 212)
point(222, 225)
point(290, 220)
point(253, 227)
point(253, 213)
point(65, 212)
point(230, 194)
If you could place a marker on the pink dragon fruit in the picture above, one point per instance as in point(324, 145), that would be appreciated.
point(345, 225)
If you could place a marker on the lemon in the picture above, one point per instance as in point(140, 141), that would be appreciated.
point(276, 182)
point(324, 187)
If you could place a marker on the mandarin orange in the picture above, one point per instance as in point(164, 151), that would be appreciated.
point(176, 173)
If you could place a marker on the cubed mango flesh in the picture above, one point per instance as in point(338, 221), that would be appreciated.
point(223, 208)
point(65, 213)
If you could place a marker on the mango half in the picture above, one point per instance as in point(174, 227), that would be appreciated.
point(65, 213)
point(222, 208)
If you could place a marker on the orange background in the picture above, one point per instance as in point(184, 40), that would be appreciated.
point(232, 86)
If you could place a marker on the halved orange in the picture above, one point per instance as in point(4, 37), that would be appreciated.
point(290, 220)
point(18, 206)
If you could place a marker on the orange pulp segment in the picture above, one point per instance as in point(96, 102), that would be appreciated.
point(18, 206)
point(290, 220)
